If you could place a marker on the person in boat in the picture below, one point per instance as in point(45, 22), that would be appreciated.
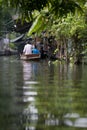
point(27, 49)
point(35, 50)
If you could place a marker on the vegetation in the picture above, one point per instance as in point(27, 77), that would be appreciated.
point(6, 21)
point(63, 19)
point(56, 7)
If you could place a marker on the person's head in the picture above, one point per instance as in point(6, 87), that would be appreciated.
point(35, 46)
point(27, 42)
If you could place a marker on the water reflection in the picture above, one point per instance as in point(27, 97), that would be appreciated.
point(39, 96)
point(10, 110)
point(30, 113)
point(81, 122)
point(27, 71)
point(55, 93)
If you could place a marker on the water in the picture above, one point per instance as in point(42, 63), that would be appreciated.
point(42, 95)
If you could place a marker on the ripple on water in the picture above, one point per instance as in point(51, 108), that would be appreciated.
point(81, 122)
point(29, 93)
point(31, 82)
point(78, 121)
point(28, 99)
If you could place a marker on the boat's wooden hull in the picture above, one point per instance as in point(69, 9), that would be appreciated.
point(30, 57)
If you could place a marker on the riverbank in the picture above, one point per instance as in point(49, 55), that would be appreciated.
point(8, 52)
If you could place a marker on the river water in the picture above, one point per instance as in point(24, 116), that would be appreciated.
point(42, 95)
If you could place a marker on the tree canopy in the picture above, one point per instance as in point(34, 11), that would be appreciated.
point(57, 7)
point(6, 21)
point(66, 19)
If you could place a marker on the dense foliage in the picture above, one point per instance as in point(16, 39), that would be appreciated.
point(57, 7)
point(6, 21)
point(65, 19)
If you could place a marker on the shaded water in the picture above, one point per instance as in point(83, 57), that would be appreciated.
point(42, 95)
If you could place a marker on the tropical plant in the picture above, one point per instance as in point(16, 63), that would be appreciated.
point(6, 21)
point(57, 7)
point(56, 16)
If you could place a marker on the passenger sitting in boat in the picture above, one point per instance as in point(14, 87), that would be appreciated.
point(35, 50)
point(27, 49)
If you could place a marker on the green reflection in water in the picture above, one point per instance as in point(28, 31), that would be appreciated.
point(42, 96)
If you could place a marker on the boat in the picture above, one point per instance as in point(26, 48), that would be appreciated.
point(30, 57)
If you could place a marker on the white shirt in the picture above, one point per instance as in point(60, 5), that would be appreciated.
point(27, 49)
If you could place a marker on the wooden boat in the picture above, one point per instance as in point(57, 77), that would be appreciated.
point(30, 57)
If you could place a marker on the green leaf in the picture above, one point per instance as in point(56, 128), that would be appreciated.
point(39, 24)
point(36, 25)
